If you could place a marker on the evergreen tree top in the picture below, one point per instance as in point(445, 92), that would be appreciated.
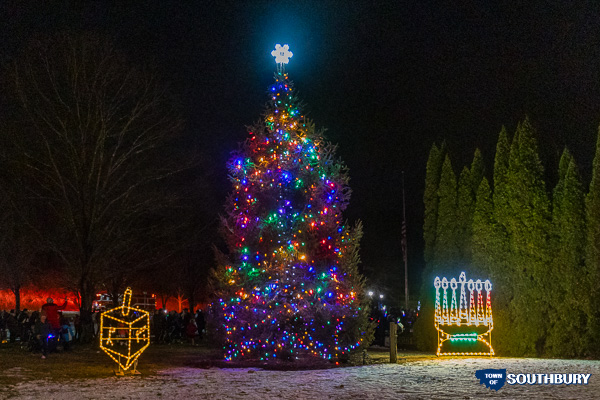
point(563, 165)
point(595, 182)
point(477, 170)
point(501, 158)
point(283, 109)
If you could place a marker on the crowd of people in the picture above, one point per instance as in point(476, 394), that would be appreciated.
point(404, 319)
point(48, 329)
point(174, 327)
point(39, 330)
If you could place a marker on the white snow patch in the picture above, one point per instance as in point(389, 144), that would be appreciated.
point(431, 378)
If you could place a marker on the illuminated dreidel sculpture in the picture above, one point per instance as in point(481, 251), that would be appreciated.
point(125, 333)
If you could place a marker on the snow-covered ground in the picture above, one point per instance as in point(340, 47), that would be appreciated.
point(420, 379)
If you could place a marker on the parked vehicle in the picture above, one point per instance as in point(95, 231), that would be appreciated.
point(145, 302)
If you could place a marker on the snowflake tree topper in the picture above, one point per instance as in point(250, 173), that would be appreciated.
point(282, 54)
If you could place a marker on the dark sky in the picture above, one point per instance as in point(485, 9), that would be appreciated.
point(386, 79)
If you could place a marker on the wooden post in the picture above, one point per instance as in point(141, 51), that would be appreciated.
point(393, 343)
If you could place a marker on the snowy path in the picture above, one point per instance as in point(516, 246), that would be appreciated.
point(426, 379)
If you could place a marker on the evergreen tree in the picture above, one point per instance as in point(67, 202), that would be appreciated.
point(592, 255)
point(557, 194)
point(499, 254)
point(483, 254)
point(568, 290)
point(464, 215)
point(446, 252)
point(291, 287)
point(425, 333)
point(500, 197)
point(545, 295)
point(430, 198)
point(468, 184)
point(445, 257)
point(477, 172)
point(527, 223)
point(489, 261)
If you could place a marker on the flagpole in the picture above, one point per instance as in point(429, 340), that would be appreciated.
point(404, 246)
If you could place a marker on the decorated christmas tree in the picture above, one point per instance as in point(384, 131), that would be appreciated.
point(290, 286)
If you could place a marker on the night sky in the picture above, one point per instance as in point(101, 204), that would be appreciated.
point(386, 79)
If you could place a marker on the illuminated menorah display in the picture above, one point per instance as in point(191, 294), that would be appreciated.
point(463, 321)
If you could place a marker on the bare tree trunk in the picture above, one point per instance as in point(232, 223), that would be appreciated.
point(114, 297)
point(77, 299)
point(87, 294)
point(163, 299)
point(191, 302)
point(17, 292)
point(180, 300)
point(115, 291)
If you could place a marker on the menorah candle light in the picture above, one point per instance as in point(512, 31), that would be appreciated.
point(462, 320)
point(125, 332)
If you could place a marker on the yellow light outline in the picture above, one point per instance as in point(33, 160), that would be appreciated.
point(110, 340)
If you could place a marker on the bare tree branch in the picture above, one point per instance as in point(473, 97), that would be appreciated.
point(91, 139)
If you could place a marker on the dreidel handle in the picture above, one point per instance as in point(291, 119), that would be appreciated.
point(126, 302)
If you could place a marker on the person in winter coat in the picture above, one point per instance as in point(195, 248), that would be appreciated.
point(30, 324)
point(11, 325)
point(191, 330)
point(160, 326)
point(200, 322)
point(2, 327)
point(51, 311)
point(42, 331)
point(66, 333)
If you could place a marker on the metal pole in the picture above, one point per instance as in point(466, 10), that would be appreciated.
point(405, 246)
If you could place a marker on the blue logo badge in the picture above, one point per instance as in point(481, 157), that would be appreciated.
point(491, 378)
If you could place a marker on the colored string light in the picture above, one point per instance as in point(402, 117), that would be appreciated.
point(292, 288)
